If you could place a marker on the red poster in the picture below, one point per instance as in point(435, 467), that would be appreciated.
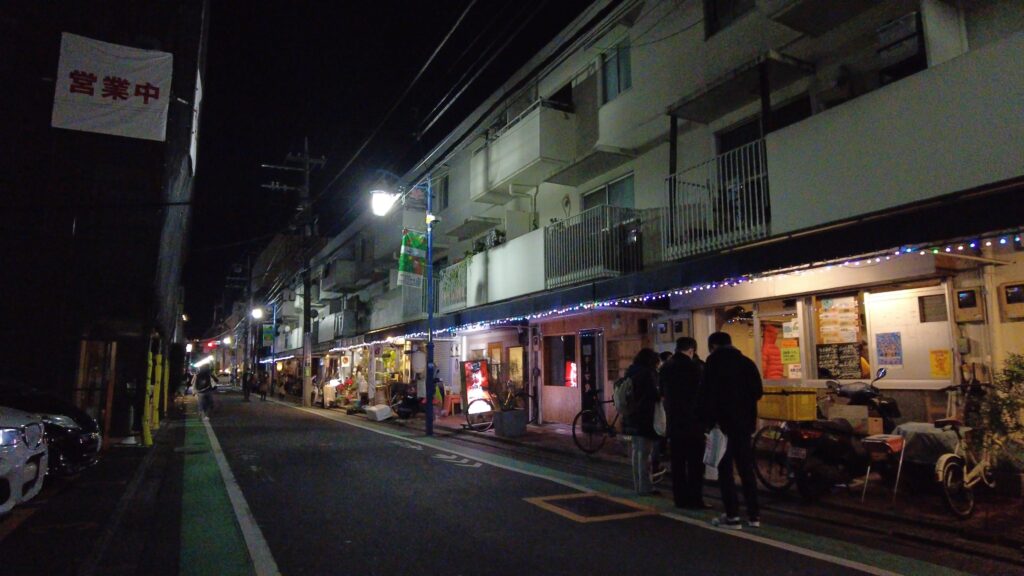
point(571, 378)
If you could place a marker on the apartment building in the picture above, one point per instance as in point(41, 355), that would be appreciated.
point(811, 176)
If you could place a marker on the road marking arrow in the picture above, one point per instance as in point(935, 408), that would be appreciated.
point(453, 459)
point(408, 445)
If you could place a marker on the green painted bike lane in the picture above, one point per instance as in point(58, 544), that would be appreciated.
point(815, 543)
point(211, 539)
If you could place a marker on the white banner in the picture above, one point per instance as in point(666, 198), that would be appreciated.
point(112, 89)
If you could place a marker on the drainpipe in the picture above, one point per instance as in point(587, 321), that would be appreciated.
point(994, 357)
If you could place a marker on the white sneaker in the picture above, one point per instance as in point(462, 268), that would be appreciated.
point(724, 521)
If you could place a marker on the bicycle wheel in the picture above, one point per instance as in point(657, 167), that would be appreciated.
point(480, 415)
point(959, 496)
point(771, 458)
point(588, 431)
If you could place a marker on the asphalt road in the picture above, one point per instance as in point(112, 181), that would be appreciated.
point(335, 498)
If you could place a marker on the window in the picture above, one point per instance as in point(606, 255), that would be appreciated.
point(718, 14)
point(617, 193)
point(615, 70)
point(560, 361)
point(440, 189)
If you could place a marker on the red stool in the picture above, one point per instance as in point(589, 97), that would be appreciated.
point(883, 448)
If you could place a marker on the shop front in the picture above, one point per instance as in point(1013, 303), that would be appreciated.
point(843, 323)
point(584, 352)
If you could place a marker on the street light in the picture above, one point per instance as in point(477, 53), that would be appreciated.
point(227, 340)
point(382, 201)
point(257, 313)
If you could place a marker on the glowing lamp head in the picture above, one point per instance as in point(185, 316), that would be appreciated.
point(257, 313)
point(188, 348)
point(381, 201)
point(227, 340)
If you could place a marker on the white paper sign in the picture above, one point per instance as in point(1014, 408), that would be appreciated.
point(112, 89)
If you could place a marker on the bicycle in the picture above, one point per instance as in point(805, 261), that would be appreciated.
point(772, 448)
point(480, 412)
point(961, 470)
point(590, 427)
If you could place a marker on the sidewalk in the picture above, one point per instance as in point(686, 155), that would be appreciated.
point(996, 529)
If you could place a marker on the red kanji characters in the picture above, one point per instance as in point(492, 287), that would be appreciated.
point(115, 87)
point(81, 82)
point(147, 91)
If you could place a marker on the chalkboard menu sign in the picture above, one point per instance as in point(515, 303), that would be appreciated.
point(839, 361)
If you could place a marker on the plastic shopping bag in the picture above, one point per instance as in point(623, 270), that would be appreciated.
point(660, 420)
point(714, 449)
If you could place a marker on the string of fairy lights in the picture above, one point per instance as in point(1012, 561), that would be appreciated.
point(1005, 240)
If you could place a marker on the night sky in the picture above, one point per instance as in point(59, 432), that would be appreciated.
point(279, 71)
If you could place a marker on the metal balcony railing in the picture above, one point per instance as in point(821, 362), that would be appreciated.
point(602, 242)
point(453, 286)
point(719, 203)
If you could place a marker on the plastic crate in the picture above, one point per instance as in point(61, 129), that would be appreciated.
point(789, 403)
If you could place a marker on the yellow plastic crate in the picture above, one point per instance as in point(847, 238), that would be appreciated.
point(788, 403)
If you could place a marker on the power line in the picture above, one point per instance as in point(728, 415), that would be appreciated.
point(485, 65)
point(394, 106)
point(455, 86)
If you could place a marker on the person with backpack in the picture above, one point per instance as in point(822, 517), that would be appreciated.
point(636, 395)
point(733, 385)
point(680, 379)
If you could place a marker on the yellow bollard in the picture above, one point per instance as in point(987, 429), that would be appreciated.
point(147, 406)
point(167, 384)
point(158, 378)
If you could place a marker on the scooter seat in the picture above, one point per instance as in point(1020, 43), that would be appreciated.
point(950, 422)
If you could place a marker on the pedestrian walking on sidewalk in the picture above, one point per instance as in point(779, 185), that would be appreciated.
point(264, 386)
point(733, 386)
point(247, 382)
point(680, 379)
point(202, 383)
point(362, 387)
point(639, 420)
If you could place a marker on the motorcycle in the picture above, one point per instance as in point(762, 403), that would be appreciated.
point(825, 453)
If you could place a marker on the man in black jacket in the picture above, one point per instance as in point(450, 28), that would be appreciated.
point(733, 386)
point(680, 378)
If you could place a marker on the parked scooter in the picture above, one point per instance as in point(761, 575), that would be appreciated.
point(824, 453)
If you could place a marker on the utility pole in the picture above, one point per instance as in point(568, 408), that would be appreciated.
point(305, 220)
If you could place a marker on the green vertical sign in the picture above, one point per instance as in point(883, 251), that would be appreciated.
point(412, 259)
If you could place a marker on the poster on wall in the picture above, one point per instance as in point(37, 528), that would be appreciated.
point(941, 363)
point(476, 380)
point(839, 320)
point(889, 347)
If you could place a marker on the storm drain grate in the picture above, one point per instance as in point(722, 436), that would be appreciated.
point(591, 507)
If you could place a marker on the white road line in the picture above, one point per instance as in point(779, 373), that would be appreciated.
point(259, 551)
point(867, 568)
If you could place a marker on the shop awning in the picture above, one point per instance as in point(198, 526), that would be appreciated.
point(739, 87)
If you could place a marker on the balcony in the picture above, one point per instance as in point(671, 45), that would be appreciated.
point(953, 127)
point(532, 147)
point(603, 242)
point(342, 276)
point(717, 204)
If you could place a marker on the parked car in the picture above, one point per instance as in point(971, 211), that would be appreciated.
point(23, 459)
point(72, 435)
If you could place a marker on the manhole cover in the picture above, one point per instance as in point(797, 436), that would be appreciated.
point(591, 507)
point(191, 450)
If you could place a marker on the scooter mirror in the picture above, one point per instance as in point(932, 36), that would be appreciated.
point(881, 373)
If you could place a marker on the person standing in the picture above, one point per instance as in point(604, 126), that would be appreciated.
point(733, 386)
point(680, 379)
point(362, 387)
point(639, 420)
